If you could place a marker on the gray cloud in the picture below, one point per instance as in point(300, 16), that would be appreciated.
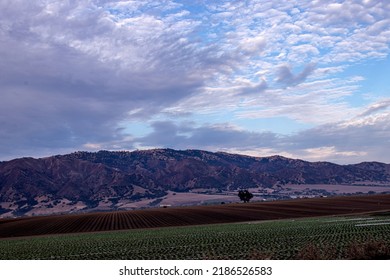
point(286, 77)
point(254, 89)
point(69, 73)
point(361, 140)
point(213, 137)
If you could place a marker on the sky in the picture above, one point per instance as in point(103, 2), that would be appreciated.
point(302, 79)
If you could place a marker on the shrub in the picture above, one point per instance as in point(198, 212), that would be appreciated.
point(370, 250)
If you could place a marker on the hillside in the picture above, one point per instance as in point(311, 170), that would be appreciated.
point(114, 180)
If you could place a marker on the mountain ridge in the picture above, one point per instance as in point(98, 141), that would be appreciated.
point(106, 180)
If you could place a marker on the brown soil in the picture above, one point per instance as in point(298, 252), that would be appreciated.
point(184, 216)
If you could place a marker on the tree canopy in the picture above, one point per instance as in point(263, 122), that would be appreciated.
point(245, 195)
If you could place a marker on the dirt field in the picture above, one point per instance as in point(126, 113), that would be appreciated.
point(340, 189)
point(183, 216)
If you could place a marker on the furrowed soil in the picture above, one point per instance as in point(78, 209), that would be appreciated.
point(186, 216)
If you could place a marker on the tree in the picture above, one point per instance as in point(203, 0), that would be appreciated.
point(245, 195)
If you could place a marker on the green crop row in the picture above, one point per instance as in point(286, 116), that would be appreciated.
point(312, 238)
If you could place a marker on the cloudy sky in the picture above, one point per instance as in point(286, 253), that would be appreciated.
point(303, 79)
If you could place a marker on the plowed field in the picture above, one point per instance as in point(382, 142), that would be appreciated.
point(184, 216)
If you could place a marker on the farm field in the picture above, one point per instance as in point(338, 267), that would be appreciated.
point(340, 237)
point(339, 189)
point(189, 216)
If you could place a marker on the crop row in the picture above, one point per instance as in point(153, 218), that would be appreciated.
point(285, 239)
point(186, 216)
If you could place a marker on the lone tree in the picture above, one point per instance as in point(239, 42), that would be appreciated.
point(245, 195)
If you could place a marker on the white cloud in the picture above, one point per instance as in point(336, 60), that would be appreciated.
point(376, 107)
point(253, 46)
point(297, 39)
point(329, 153)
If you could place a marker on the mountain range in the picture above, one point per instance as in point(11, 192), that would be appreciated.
point(107, 180)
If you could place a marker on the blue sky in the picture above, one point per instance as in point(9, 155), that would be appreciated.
point(302, 79)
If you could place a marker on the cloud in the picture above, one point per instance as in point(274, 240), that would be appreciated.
point(209, 137)
point(73, 74)
point(72, 71)
point(293, 40)
point(254, 45)
point(252, 89)
point(374, 108)
point(359, 139)
point(286, 77)
point(343, 142)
